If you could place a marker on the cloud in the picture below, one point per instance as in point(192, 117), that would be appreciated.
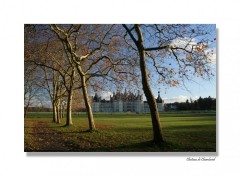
point(189, 42)
point(106, 95)
point(212, 56)
point(180, 98)
point(184, 42)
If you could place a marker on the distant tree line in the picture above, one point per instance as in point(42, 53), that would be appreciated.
point(39, 109)
point(207, 103)
point(45, 109)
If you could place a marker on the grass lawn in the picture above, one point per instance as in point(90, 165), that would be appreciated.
point(126, 132)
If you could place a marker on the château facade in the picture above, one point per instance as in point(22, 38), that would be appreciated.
point(124, 102)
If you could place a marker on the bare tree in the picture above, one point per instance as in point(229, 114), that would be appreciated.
point(66, 70)
point(92, 51)
point(176, 52)
point(59, 70)
point(87, 46)
point(53, 85)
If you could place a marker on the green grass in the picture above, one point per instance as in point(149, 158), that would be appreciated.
point(122, 132)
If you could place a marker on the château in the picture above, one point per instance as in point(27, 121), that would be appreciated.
point(124, 102)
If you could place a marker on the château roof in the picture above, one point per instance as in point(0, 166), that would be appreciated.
point(126, 96)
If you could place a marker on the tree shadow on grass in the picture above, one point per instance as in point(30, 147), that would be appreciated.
point(150, 146)
point(76, 132)
point(146, 146)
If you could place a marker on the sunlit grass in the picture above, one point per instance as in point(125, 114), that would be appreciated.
point(133, 132)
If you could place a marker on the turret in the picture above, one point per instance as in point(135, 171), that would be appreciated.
point(159, 99)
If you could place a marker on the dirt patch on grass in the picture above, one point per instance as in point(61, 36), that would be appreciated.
point(45, 139)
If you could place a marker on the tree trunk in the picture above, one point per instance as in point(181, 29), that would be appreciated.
point(62, 113)
point(54, 113)
point(87, 104)
point(157, 132)
point(58, 113)
point(61, 110)
point(69, 108)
